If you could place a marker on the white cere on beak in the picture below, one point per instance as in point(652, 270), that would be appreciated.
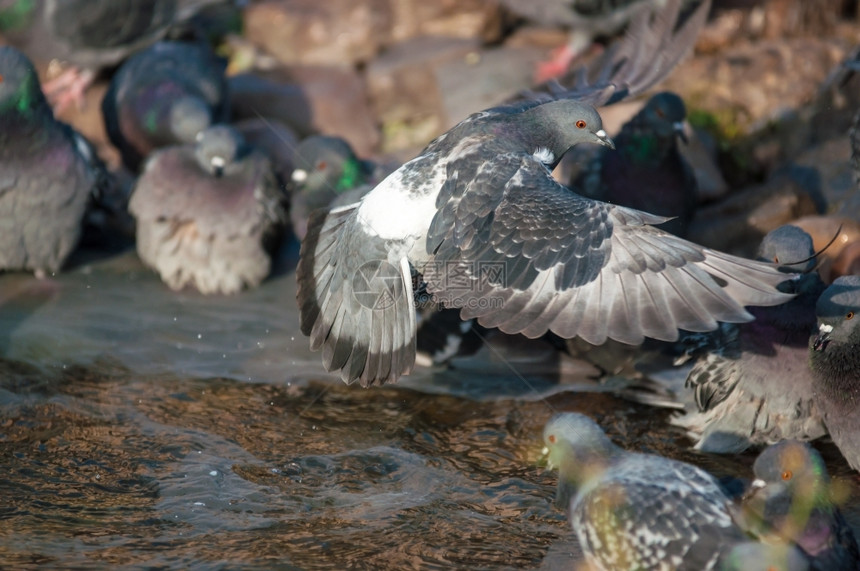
point(300, 175)
point(218, 162)
point(758, 483)
point(824, 328)
point(199, 136)
point(601, 133)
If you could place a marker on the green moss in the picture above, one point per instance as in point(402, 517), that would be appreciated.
point(16, 16)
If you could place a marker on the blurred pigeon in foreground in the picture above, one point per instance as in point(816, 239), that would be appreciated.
point(327, 174)
point(835, 361)
point(647, 171)
point(791, 500)
point(480, 217)
point(164, 95)
point(754, 386)
point(585, 19)
point(637, 511)
point(89, 34)
point(205, 213)
point(48, 173)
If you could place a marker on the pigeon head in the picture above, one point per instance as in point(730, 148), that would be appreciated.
point(188, 117)
point(755, 556)
point(19, 85)
point(664, 114)
point(578, 447)
point(838, 312)
point(792, 248)
point(325, 167)
point(793, 468)
point(559, 125)
point(217, 148)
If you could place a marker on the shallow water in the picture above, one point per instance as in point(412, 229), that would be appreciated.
point(144, 427)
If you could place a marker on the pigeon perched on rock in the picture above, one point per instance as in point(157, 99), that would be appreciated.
point(479, 216)
point(89, 34)
point(164, 95)
point(834, 358)
point(206, 213)
point(327, 174)
point(637, 511)
point(754, 386)
point(586, 20)
point(48, 174)
point(792, 500)
point(647, 172)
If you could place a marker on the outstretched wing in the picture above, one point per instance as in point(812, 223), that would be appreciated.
point(523, 253)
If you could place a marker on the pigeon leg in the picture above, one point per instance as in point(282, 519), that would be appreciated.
point(562, 57)
point(68, 87)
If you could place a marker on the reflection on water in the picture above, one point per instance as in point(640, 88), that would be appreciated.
point(148, 428)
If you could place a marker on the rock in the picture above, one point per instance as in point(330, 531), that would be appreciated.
point(738, 223)
point(842, 255)
point(404, 90)
point(309, 32)
point(452, 18)
point(831, 161)
point(309, 100)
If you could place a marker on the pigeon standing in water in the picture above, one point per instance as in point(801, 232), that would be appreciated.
point(754, 387)
point(835, 361)
point(637, 511)
point(48, 174)
point(206, 212)
point(479, 216)
point(647, 171)
point(89, 34)
point(164, 95)
point(791, 500)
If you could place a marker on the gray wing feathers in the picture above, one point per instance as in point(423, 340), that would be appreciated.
point(367, 336)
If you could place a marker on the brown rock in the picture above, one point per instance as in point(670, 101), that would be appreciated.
point(404, 90)
point(738, 223)
point(837, 238)
point(310, 32)
point(309, 100)
point(831, 161)
point(452, 18)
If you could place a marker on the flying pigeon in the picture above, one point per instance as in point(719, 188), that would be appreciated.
point(792, 500)
point(48, 174)
point(638, 511)
point(647, 172)
point(89, 34)
point(834, 357)
point(207, 212)
point(753, 386)
point(164, 95)
point(480, 218)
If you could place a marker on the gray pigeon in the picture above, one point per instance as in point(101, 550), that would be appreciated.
point(480, 217)
point(792, 500)
point(585, 20)
point(834, 358)
point(205, 213)
point(48, 174)
point(89, 34)
point(164, 95)
point(327, 174)
point(647, 172)
point(638, 511)
point(754, 386)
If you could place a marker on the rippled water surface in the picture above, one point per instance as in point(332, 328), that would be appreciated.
point(144, 427)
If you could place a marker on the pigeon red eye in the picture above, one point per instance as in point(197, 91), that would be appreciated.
point(580, 124)
point(551, 438)
point(1, 78)
point(849, 315)
point(321, 165)
point(786, 475)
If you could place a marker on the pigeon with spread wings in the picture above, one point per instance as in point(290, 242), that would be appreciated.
point(478, 222)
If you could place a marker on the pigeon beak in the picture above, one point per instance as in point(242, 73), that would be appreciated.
point(218, 166)
point(603, 139)
point(758, 484)
point(823, 337)
point(299, 175)
point(678, 127)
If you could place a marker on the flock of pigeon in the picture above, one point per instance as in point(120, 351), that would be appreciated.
point(477, 225)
